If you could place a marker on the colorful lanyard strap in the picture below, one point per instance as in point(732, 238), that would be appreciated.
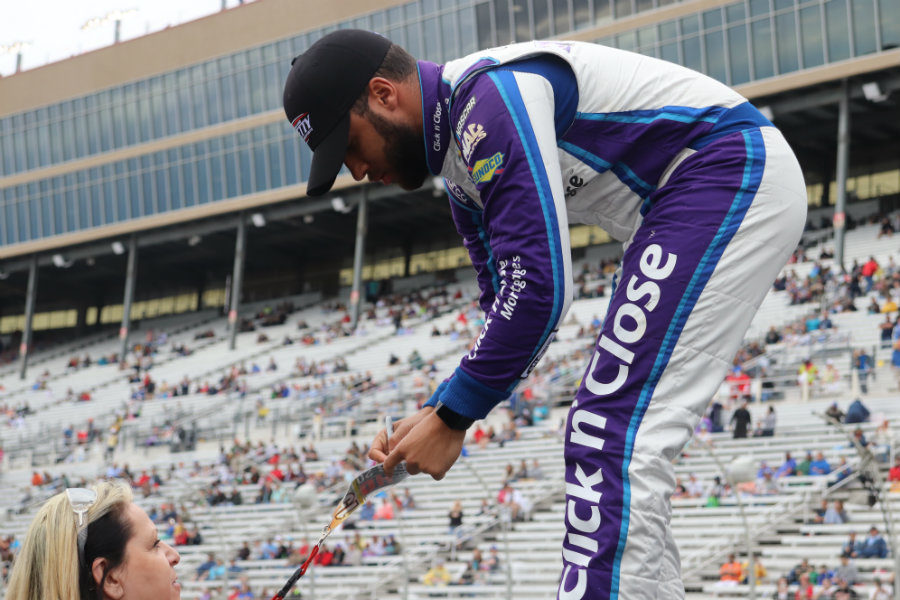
point(365, 484)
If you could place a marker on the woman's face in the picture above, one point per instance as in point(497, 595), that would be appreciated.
point(148, 572)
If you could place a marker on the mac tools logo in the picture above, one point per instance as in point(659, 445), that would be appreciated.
point(301, 124)
point(474, 133)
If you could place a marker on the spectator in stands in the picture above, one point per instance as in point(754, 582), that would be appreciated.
point(857, 411)
point(805, 588)
point(769, 422)
point(217, 571)
point(408, 500)
point(868, 272)
point(803, 465)
point(850, 547)
point(835, 514)
point(886, 328)
point(772, 336)
point(788, 468)
point(385, 510)
point(437, 575)
point(730, 571)
point(243, 552)
point(862, 362)
point(782, 590)
point(801, 569)
point(819, 466)
point(894, 473)
point(873, 546)
point(845, 591)
point(694, 486)
point(847, 571)
point(895, 345)
point(835, 412)
point(873, 309)
point(880, 590)
point(206, 565)
point(760, 569)
point(118, 550)
point(860, 437)
point(741, 419)
point(456, 518)
point(819, 513)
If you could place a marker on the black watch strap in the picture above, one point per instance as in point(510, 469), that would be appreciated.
point(451, 418)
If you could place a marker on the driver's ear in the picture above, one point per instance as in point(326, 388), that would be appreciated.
point(383, 92)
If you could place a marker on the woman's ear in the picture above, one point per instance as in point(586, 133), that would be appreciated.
point(112, 585)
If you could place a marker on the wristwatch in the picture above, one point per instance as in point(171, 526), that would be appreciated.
point(451, 418)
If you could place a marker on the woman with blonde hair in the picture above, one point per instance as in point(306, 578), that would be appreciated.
point(94, 544)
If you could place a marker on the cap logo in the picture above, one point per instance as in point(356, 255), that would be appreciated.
point(301, 124)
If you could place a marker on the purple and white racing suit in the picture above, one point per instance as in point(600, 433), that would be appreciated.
point(709, 201)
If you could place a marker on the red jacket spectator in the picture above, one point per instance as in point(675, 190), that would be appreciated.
point(894, 473)
point(870, 268)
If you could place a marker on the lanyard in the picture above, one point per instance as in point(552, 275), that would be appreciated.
point(365, 484)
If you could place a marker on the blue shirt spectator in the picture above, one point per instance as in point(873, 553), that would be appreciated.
point(873, 546)
point(856, 412)
point(819, 466)
point(788, 468)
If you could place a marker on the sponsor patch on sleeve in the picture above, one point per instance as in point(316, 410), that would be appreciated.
point(484, 170)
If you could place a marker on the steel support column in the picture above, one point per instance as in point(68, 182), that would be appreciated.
point(358, 253)
point(130, 276)
point(30, 295)
point(843, 160)
point(237, 280)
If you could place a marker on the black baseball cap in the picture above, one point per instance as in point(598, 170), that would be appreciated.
point(322, 86)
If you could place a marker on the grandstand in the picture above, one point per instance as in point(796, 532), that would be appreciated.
point(263, 336)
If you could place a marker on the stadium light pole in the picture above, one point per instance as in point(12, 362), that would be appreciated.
point(732, 478)
point(874, 484)
point(130, 276)
point(30, 295)
point(843, 159)
point(115, 16)
point(358, 252)
point(237, 279)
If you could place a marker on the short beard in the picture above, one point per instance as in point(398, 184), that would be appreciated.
point(404, 151)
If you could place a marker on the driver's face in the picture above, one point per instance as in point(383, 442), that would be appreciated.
point(386, 150)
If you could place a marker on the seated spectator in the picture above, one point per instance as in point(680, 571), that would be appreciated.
point(856, 412)
point(802, 569)
point(437, 575)
point(844, 591)
point(788, 468)
point(873, 546)
point(217, 571)
point(758, 567)
point(805, 588)
point(803, 465)
point(847, 571)
point(835, 413)
point(385, 510)
point(850, 547)
point(819, 466)
point(880, 590)
point(835, 514)
point(894, 474)
point(206, 565)
point(782, 590)
point(731, 570)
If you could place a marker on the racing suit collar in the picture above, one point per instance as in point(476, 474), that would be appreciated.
point(435, 120)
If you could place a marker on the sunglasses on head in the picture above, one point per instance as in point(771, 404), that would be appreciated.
point(81, 500)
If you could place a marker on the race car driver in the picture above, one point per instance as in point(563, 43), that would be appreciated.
point(701, 188)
